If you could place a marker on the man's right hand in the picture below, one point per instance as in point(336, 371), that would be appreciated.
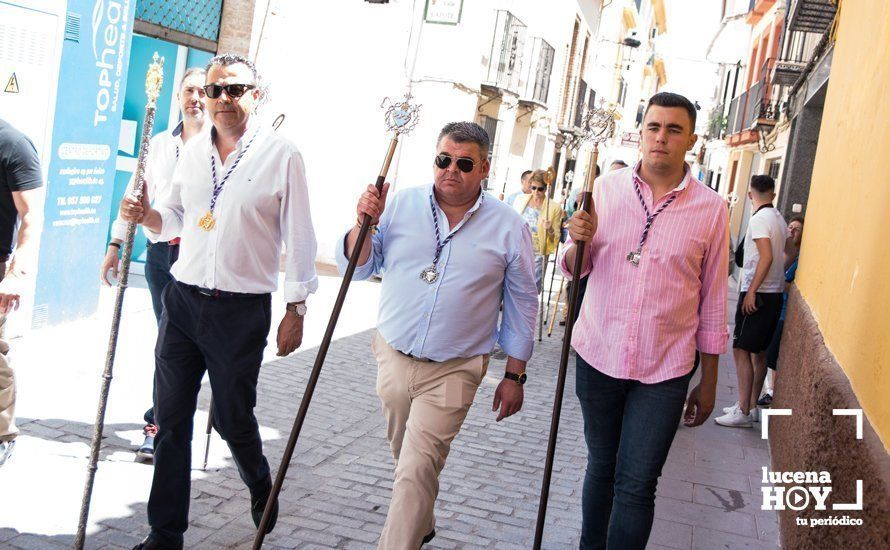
point(372, 202)
point(582, 226)
point(112, 261)
point(133, 210)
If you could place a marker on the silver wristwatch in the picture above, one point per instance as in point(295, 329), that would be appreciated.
point(297, 309)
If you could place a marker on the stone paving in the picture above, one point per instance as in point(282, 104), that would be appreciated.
point(338, 486)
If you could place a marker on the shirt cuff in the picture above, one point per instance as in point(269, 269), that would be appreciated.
point(361, 271)
point(297, 291)
point(516, 346)
point(712, 342)
point(567, 269)
point(119, 230)
point(171, 227)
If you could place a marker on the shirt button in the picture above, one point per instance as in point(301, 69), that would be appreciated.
point(426, 315)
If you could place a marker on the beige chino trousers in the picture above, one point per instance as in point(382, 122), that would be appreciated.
point(8, 430)
point(425, 404)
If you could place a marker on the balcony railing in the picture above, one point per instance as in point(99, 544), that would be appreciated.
point(761, 105)
point(717, 122)
point(539, 85)
point(811, 15)
point(505, 62)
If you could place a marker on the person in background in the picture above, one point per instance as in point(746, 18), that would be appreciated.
point(525, 181)
point(21, 221)
point(545, 226)
point(760, 300)
point(792, 254)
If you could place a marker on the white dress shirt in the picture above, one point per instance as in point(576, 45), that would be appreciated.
point(264, 202)
point(163, 153)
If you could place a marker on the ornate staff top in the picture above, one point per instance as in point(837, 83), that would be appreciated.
point(401, 115)
point(550, 176)
point(154, 79)
point(599, 125)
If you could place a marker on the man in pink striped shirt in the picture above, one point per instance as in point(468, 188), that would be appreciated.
point(658, 242)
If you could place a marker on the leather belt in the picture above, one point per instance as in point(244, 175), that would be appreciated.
point(216, 293)
point(415, 358)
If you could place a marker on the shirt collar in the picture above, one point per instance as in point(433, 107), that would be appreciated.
point(253, 126)
point(472, 209)
point(687, 178)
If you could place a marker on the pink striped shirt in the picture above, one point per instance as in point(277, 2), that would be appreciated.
point(645, 322)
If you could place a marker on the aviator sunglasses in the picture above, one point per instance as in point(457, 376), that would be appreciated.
point(234, 91)
point(464, 164)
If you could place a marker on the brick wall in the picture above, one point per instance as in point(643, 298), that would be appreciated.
point(236, 26)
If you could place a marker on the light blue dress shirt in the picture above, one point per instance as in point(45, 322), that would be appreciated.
point(489, 260)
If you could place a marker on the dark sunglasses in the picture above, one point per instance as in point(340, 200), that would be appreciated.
point(464, 164)
point(234, 91)
point(534, 188)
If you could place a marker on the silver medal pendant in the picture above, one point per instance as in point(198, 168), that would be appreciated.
point(634, 258)
point(429, 275)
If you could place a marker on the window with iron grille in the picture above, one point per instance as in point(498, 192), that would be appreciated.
point(580, 100)
point(544, 53)
point(490, 125)
point(622, 90)
point(774, 168)
point(505, 62)
point(192, 23)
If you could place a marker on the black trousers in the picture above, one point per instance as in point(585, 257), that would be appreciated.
point(159, 258)
point(225, 336)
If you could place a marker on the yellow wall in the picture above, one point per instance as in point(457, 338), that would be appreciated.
point(845, 262)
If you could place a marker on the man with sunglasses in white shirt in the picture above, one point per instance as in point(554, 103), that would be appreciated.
point(163, 155)
point(452, 255)
point(238, 193)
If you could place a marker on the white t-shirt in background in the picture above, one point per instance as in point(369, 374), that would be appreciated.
point(766, 223)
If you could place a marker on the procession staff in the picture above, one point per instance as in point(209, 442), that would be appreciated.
point(246, 195)
point(439, 313)
point(153, 82)
point(160, 162)
point(599, 126)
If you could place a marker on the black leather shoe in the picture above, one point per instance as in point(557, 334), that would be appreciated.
point(428, 537)
point(258, 506)
point(153, 542)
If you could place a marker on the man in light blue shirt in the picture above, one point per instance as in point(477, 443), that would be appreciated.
point(451, 256)
point(526, 180)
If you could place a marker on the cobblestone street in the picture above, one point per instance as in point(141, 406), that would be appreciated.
point(338, 486)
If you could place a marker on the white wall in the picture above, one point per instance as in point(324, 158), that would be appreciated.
point(329, 65)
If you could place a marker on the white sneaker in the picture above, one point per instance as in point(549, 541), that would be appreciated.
point(735, 419)
point(727, 410)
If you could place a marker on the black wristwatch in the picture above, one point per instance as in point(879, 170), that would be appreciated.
point(518, 378)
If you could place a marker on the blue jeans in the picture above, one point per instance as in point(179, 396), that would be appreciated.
point(629, 427)
point(159, 258)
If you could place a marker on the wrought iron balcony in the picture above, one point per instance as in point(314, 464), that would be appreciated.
point(717, 122)
point(811, 15)
point(505, 62)
point(538, 86)
point(787, 71)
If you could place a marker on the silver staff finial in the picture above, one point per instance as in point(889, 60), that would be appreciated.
point(402, 115)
